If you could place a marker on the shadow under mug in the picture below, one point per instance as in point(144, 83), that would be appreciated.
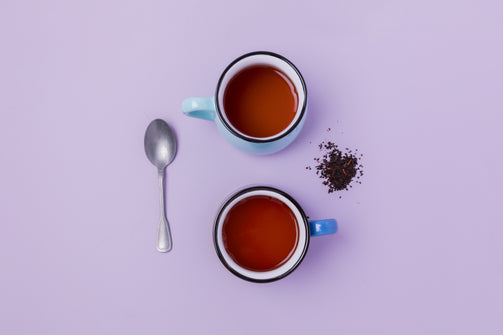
point(306, 229)
point(212, 108)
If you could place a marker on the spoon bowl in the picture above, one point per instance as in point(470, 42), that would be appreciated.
point(160, 144)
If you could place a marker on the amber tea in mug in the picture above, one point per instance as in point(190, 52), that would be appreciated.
point(260, 233)
point(260, 101)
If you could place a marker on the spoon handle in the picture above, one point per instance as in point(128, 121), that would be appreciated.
point(163, 233)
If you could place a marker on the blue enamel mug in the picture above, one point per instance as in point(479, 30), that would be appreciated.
point(255, 238)
point(213, 109)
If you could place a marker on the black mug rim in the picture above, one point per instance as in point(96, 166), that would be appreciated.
point(255, 139)
point(238, 194)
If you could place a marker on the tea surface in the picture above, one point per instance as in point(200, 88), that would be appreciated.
point(260, 101)
point(260, 233)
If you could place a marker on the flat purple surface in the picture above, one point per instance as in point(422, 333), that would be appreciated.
point(416, 86)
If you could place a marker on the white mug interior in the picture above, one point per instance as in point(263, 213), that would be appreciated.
point(262, 59)
point(284, 269)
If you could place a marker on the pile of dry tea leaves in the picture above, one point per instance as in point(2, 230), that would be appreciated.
point(338, 168)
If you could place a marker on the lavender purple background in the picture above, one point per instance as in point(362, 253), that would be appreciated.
point(414, 85)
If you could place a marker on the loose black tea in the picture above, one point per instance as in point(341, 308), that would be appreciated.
point(338, 168)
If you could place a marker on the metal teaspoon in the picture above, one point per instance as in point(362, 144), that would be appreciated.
point(160, 147)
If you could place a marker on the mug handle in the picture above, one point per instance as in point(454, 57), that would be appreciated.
point(202, 108)
point(323, 227)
